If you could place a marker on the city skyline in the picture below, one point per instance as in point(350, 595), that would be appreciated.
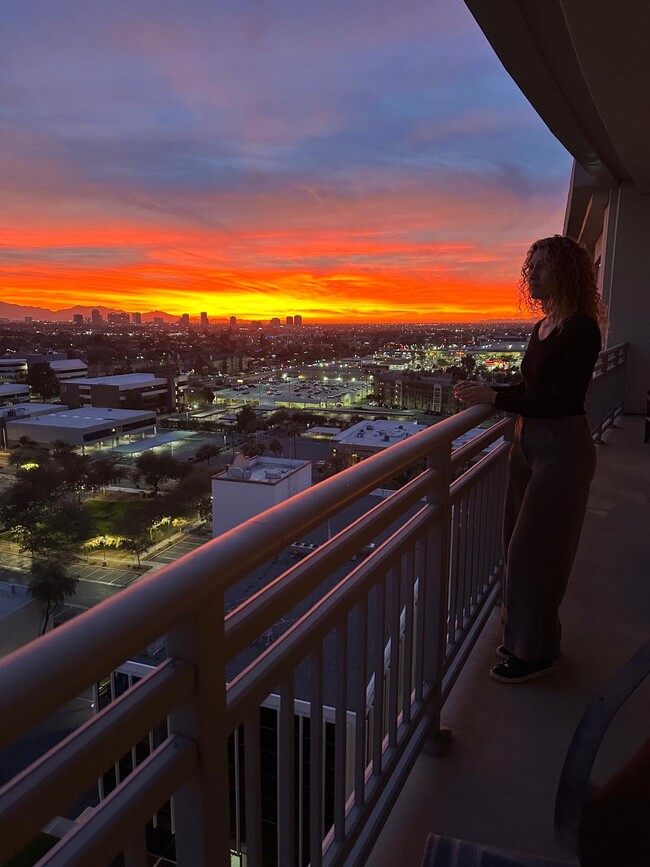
point(356, 163)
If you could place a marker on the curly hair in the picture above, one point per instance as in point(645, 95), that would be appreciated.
point(575, 289)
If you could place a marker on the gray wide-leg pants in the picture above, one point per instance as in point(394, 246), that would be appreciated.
point(551, 465)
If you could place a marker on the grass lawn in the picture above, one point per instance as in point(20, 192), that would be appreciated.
point(107, 513)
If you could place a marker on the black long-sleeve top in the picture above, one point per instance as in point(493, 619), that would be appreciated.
point(556, 371)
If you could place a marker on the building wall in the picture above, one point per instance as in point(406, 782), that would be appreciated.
point(426, 394)
point(12, 370)
point(235, 501)
point(20, 626)
point(70, 394)
point(624, 283)
point(105, 396)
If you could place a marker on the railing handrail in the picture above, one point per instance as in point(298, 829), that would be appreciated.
point(99, 640)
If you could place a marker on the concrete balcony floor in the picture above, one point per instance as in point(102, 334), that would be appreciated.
point(497, 783)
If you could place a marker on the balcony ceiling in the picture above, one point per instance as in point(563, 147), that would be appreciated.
point(584, 65)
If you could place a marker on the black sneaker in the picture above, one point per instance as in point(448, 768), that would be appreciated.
point(503, 652)
point(515, 670)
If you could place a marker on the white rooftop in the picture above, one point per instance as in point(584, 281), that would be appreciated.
point(13, 597)
point(380, 434)
point(13, 388)
point(123, 380)
point(28, 409)
point(67, 363)
point(81, 418)
point(268, 471)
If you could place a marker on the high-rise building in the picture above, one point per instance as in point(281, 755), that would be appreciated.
point(136, 318)
point(233, 321)
point(158, 320)
point(78, 319)
point(118, 318)
point(297, 320)
point(275, 322)
point(204, 320)
point(289, 320)
point(184, 320)
point(96, 317)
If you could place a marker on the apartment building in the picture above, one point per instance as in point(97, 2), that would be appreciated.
point(162, 393)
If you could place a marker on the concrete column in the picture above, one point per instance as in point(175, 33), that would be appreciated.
point(625, 283)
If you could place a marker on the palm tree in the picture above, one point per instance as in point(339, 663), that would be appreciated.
point(293, 431)
point(275, 447)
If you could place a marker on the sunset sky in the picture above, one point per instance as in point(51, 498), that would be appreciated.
point(344, 159)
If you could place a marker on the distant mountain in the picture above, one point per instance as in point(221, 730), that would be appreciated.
point(18, 312)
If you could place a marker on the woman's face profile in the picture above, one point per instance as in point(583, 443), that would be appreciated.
point(540, 277)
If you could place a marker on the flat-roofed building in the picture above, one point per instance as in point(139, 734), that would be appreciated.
point(249, 487)
point(82, 427)
point(414, 391)
point(17, 411)
point(161, 393)
point(12, 392)
point(369, 437)
point(20, 617)
point(13, 369)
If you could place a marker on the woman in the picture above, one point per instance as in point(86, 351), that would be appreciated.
point(553, 458)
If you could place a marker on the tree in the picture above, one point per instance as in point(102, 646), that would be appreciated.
point(50, 585)
point(103, 472)
point(278, 417)
point(276, 448)
point(246, 420)
point(43, 380)
point(207, 451)
point(189, 492)
point(253, 449)
point(206, 394)
point(137, 544)
point(157, 468)
point(293, 431)
point(75, 471)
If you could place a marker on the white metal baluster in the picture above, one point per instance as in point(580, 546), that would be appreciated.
point(378, 700)
point(340, 731)
point(395, 578)
point(360, 739)
point(253, 793)
point(419, 619)
point(493, 515)
point(463, 564)
point(316, 759)
point(407, 667)
point(484, 548)
point(453, 569)
point(286, 774)
point(476, 543)
point(435, 589)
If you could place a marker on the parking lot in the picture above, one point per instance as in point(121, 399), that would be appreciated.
point(179, 549)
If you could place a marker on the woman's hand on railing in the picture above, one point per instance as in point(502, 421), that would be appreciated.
point(473, 393)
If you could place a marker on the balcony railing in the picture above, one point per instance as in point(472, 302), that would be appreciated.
point(390, 638)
